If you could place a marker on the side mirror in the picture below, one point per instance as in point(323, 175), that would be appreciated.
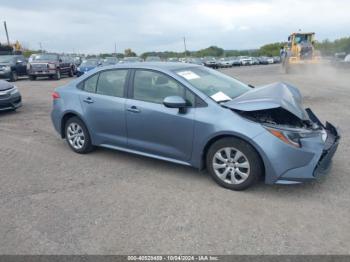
point(174, 102)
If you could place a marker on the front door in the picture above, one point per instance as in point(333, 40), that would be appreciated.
point(153, 128)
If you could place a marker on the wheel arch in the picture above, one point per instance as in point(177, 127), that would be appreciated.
point(64, 120)
point(217, 137)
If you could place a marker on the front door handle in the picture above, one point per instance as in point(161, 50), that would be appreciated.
point(133, 109)
point(88, 100)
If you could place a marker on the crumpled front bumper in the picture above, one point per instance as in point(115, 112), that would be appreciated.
point(321, 162)
point(329, 150)
point(285, 164)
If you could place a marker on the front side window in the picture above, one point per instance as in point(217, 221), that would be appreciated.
point(111, 83)
point(153, 87)
point(214, 84)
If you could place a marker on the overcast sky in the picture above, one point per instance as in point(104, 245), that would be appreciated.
point(92, 26)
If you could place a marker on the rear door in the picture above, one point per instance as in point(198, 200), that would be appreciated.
point(103, 103)
point(152, 127)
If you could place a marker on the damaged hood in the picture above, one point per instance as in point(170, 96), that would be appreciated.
point(268, 97)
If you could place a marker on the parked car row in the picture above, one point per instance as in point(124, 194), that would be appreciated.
point(38, 65)
point(225, 62)
point(55, 65)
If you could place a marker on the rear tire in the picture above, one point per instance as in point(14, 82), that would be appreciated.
point(234, 164)
point(77, 136)
point(32, 78)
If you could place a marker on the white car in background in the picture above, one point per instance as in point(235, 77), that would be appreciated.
point(225, 62)
point(347, 59)
point(270, 60)
point(245, 60)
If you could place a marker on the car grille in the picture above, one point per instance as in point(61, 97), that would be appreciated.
point(39, 66)
point(4, 96)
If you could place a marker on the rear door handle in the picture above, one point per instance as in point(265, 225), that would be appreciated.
point(88, 100)
point(133, 109)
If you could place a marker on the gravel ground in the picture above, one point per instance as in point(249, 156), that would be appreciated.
point(53, 201)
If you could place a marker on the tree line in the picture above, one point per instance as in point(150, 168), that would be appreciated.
point(326, 47)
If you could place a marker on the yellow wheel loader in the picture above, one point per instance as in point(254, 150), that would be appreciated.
point(300, 51)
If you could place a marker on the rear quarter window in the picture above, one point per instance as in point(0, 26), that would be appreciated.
point(89, 84)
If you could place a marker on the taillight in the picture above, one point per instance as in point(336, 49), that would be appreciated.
point(55, 95)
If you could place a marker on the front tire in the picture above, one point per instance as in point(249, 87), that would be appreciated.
point(13, 76)
point(77, 136)
point(234, 164)
point(57, 76)
point(71, 72)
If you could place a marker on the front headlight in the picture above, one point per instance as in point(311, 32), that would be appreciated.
point(7, 68)
point(14, 90)
point(292, 136)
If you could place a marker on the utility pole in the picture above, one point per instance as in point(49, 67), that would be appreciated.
point(185, 46)
point(41, 47)
point(115, 49)
point(7, 34)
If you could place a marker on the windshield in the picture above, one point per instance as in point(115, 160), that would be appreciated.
point(152, 58)
point(300, 38)
point(89, 63)
point(214, 84)
point(45, 57)
point(131, 59)
point(110, 61)
point(6, 58)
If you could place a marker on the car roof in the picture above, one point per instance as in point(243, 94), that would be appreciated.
point(169, 66)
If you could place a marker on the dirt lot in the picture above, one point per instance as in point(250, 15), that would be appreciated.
point(53, 201)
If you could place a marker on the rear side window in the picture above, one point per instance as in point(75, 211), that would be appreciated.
point(111, 83)
point(89, 85)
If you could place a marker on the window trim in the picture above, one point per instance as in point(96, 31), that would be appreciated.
point(125, 87)
point(130, 94)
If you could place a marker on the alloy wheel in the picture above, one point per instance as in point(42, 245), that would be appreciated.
point(231, 165)
point(75, 136)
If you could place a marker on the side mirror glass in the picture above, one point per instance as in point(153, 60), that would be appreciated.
point(174, 102)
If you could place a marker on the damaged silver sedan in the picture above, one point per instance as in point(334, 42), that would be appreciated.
point(196, 116)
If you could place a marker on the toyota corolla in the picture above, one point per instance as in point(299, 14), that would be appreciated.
point(196, 116)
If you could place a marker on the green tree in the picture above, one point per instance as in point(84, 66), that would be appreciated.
point(272, 49)
point(128, 52)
